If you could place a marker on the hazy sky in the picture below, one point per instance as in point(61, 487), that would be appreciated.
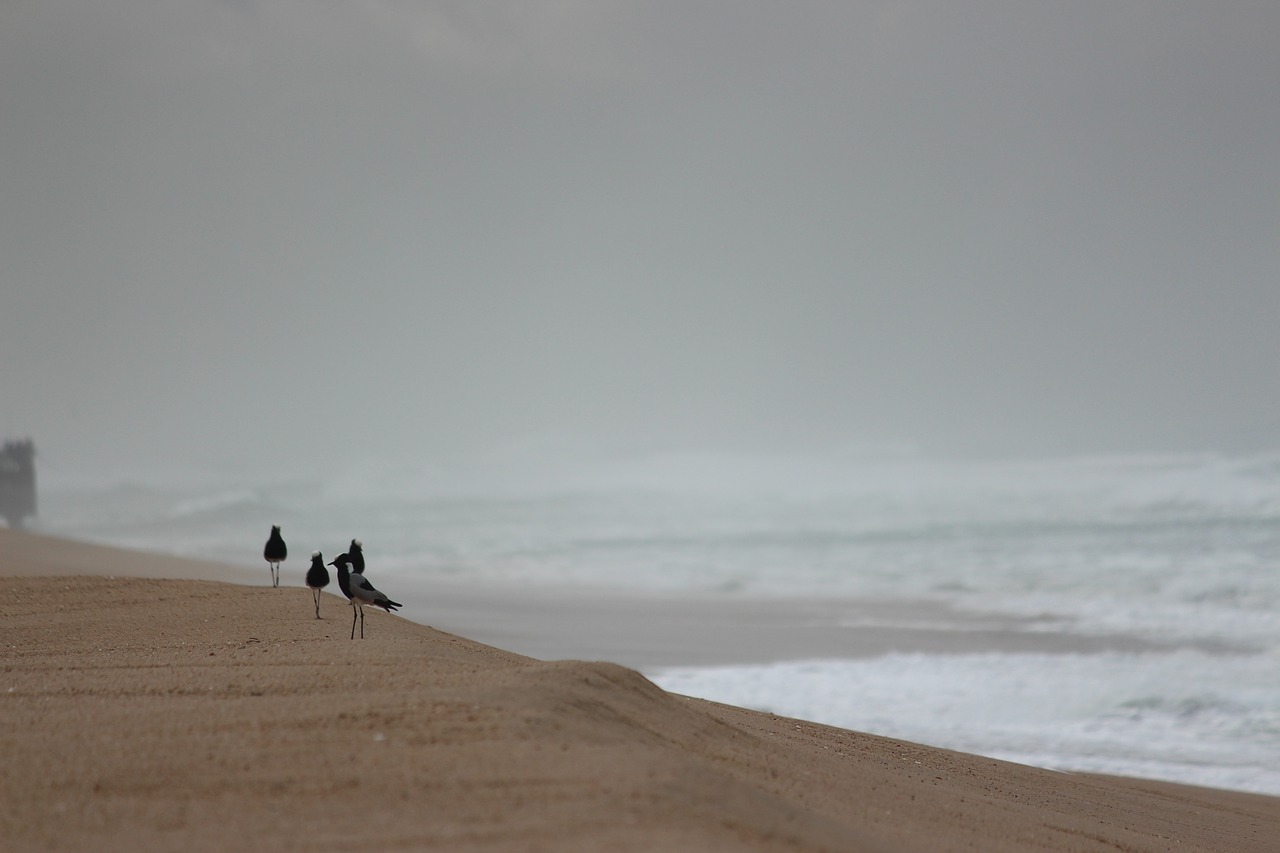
point(289, 233)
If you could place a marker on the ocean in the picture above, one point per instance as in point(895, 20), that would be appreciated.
point(1178, 554)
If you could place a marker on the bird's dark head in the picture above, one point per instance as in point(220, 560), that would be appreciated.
point(316, 557)
point(275, 528)
point(342, 561)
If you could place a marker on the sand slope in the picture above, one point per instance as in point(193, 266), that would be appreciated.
point(147, 714)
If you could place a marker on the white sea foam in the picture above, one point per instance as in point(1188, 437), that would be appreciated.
point(1183, 716)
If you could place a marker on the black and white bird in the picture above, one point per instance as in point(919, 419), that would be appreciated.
point(317, 578)
point(275, 552)
point(356, 553)
point(360, 591)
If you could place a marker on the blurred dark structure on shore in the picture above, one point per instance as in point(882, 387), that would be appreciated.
point(17, 481)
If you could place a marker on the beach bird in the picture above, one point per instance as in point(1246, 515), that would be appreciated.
point(317, 578)
point(360, 592)
point(275, 552)
point(356, 553)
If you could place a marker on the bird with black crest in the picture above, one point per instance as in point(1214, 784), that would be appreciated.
point(356, 554)
point(275, 553)
point(360, 592)
point(317, 578)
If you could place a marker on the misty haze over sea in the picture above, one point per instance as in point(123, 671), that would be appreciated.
point(278, 240)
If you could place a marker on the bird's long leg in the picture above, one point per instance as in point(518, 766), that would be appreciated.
point(315, 594)
point(353, 620)
point(362, 623)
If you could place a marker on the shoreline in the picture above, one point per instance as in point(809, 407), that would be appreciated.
point(655, 631)
point(648, 630)
point(149, 714)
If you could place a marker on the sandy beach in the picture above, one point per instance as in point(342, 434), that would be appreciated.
point(156, 703)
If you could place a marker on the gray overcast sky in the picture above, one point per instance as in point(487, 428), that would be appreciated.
point(302, 231)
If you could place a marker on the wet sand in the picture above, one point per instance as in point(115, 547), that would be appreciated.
point(649, 631)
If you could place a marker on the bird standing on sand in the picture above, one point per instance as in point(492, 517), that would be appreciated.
point(356, 553)
point(360, 591)
point(317, 578)
point(275, 552)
